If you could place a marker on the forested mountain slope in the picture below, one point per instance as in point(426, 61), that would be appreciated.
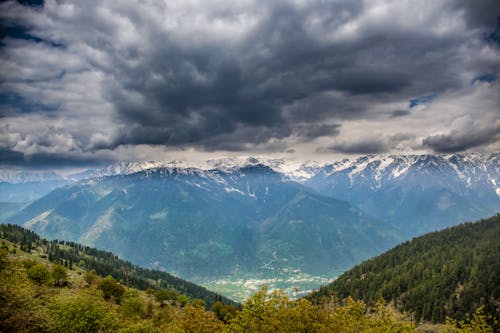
point(105, 263)
point(446, 273)
point(41, 295)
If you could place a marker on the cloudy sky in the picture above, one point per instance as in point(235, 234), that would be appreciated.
point(85, 82)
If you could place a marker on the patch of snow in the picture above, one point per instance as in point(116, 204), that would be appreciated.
point(159, 215)
point(37, 219)
point(232, 189)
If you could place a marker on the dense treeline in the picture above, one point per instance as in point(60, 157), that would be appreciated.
point(105, 263)
point(448, 273)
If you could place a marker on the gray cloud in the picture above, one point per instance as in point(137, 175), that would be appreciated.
point(456, 140)
point(399, 113)
point(357, 147)
point(233, 77)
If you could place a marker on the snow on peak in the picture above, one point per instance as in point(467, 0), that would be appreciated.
point(19, 176)
point(378, 167)
point(127, 168)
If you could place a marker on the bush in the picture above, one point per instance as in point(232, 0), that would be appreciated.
point(60, 275)
point(83, 314)
point(111, 289)
point(132, 305)
point(39, 274)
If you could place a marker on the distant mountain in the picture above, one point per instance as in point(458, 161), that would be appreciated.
point(17, 176)
point(20, 186)
point(260, 218)
point(415, 193)
point(210, 223)
point(446, 273)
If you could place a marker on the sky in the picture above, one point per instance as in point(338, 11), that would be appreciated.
point(93, 82)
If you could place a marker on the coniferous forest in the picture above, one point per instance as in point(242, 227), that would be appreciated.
point(105, 263)
point(447, 273)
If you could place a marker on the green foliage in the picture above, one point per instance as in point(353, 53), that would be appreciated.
point(183, 299)
point(224, 312)
point(198, 303)
point(90, 277)
point(132, 305)
point(39, 274)
point(60, 275)
point(162, 295)
point(4, 260)
point(194, 319)
point(111, 289)
point(84, 314)
point(274, 312)
point(478, 323)
point(446, 273)
point(22, 302)
point(105, 263)
point(25, 307)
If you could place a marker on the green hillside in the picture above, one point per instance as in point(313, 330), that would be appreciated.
point(37, 295)
point(105, 263)
point(446, 273)
point(57, 295)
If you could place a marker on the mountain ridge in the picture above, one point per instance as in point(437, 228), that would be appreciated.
point(449, 272)
point(190, 213)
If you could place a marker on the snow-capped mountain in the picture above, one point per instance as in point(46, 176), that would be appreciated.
point(379, 169)
point(19, 176)
point(125, 168)
point(21, 185)
point(207, 223)
point(417, 193)
point(469, 168)
point(294, 170)
point(260, 216)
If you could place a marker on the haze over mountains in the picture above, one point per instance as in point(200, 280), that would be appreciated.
point(200, 223)
point(257, 218)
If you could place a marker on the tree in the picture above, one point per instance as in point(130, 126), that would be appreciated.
point(183, 299)
point(60, 275)
point(111, 289)
point(195, 319)
point(39, 274)
point(161, 295)
point(133, 305)
point(224, 312)
point(83, 314)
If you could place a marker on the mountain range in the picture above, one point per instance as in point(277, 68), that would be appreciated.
point(416, 193)
point(211, 223)
point(263, 217)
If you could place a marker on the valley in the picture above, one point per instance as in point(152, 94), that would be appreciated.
point(234, 225)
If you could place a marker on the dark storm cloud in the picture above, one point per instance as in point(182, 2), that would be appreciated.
point(194, 94)
point(229, 76)
point(480, 13)
point(359, 147)
point(313, 131)
point(373, 145)
point(399, 113)
point(9, 157)
point(460, 140)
